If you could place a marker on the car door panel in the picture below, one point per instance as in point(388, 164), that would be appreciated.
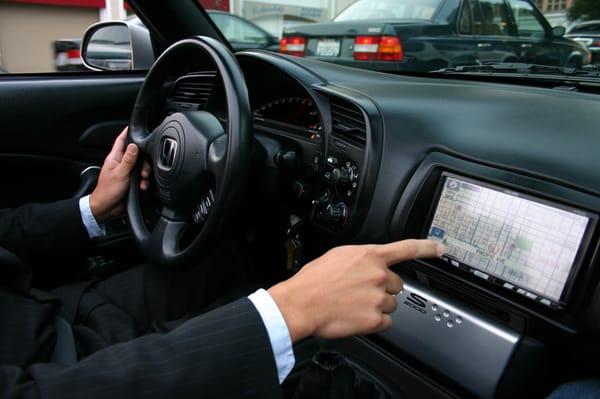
point(101, 135)
point(56, 125)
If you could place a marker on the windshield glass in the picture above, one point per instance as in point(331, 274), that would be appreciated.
point(388, 9)
point(527, 39)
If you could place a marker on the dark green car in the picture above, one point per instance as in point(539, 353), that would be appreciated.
point(412, 35)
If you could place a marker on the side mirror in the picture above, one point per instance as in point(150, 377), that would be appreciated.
point(117, 46)
point(558, 31)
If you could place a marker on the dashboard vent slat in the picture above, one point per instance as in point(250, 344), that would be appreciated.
point(194, 89)
point(348, 122)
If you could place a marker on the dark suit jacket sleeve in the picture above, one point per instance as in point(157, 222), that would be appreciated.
point(223, 354)
point(38, 230)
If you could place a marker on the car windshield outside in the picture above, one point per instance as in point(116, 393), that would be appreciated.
point(526, 38)
point(388, 9)
point(588, 27)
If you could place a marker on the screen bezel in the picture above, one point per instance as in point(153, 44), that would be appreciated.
point(520, 192)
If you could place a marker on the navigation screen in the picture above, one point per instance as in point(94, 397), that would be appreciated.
point(523, 244)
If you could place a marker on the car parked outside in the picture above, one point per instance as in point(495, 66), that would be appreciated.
point(241, 34)
point(67, 56)
point(425, 35)
point(588, 34)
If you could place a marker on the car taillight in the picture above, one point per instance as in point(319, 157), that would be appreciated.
point(365, 47)
point(293, 45)
point(73, 53)
point(378, 48)
point(596, 43)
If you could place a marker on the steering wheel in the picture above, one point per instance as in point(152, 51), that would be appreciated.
point(199, 168)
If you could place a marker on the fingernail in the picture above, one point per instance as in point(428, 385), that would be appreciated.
point(133, 148)
point(441, 249)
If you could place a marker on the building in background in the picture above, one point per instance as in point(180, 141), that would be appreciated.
point(555, 11)
point(28, 29)
point(275, 15)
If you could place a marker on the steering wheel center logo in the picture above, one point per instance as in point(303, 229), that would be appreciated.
point(168, 153)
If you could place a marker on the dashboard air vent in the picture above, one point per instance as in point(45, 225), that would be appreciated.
point(348, 122)
point(193, 89)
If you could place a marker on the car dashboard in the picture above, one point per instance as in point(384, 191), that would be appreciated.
point(506, 176)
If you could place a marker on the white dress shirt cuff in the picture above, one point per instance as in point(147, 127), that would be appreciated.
point(279, 335)
point(94, 230)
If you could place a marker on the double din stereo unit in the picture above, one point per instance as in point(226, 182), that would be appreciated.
point(516, 237)
point(522, 243)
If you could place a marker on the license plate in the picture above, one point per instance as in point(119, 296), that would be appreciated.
point(328, 48)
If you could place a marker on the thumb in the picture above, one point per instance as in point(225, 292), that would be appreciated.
point(129, 159)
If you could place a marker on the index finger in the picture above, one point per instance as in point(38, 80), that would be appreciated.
point(400, 251)
point(119, 146)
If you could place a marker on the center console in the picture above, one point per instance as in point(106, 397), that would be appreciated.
point(519, 275)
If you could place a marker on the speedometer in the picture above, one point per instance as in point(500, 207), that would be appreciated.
point(298, 111)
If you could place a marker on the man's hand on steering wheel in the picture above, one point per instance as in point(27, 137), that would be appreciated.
point(106, 201)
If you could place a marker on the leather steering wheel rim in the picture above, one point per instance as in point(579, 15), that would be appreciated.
point(204, 156)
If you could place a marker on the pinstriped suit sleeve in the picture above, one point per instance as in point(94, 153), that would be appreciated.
point(223, 354)
point(38, 230)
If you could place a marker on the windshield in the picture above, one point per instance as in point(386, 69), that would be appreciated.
point(526, 38)
point(523, 38)
point(586, 28)
point(388, 9)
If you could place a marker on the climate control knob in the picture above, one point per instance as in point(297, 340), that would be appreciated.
point(342, 176)
point(335, 214)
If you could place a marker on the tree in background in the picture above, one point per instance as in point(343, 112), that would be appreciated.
point(585, 9)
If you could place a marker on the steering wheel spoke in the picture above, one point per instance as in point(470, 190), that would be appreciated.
point(144, 140)
point(217, 157)
point(164, 240)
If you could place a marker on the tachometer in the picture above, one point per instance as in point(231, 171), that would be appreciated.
point(298, 111)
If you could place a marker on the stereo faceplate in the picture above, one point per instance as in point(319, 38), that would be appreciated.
point(460, 343)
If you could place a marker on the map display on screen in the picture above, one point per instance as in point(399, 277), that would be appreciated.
point(522, 242)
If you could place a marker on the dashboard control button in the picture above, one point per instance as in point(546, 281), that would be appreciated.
point(317, 158)
point(481, 275)
point(531, 295)
point(342, 176)
point(335, 214)
point(446, 313)
point(434, 307)
point(286, 158)
point(325, 196)
point(301, 189)
point(545, 301)
point(437, 317)
point(458, 320)
point(450, 324)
